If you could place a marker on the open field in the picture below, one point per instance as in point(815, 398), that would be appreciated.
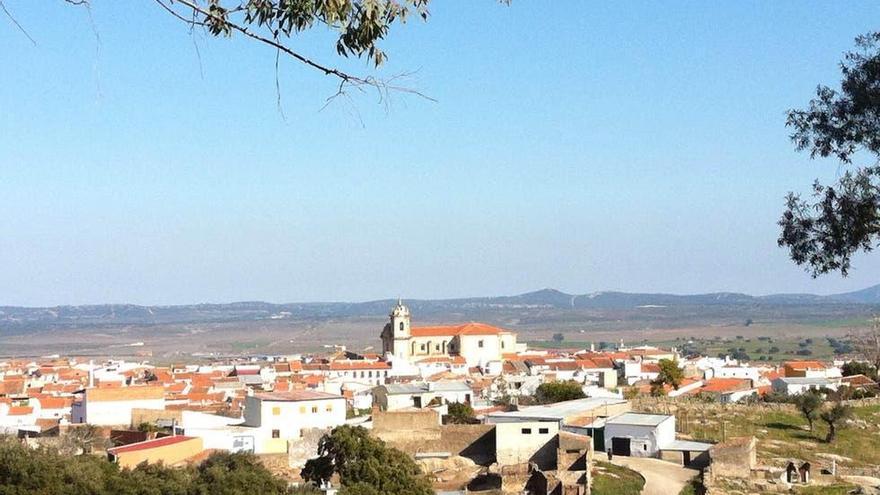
point(781, 431)
point(712, 328)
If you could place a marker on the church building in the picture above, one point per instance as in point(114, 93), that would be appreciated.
point(477, 343)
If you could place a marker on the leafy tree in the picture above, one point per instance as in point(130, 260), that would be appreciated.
point(809, 404)
point(231, 474)
point(844, 218)
point(548, 393)
point(558, 338)
point(461, 414)
point(365, 465)
point(834, 418)
point(360, 25)
point(859, 368)
point(773, 350)
point(670, 374)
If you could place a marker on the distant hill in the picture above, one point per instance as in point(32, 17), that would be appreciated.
point(20, 318)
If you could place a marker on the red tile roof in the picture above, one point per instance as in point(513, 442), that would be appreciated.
point(453, 330)
point(805, 365)
point(149, 444)
point(722, 385)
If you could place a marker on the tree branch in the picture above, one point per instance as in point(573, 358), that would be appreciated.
point(14, 21)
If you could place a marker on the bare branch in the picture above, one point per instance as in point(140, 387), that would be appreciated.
point(14, 21)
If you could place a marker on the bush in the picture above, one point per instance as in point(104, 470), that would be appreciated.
point(46, 471)
point(548, 393)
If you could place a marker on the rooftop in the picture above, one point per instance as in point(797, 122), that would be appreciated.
point(559, 411)
point(453, 330)
point(296, 396)
point(637, 419)
point(149, 444)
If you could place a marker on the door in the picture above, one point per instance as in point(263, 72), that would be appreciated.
point(686, 458)
point(620, 446)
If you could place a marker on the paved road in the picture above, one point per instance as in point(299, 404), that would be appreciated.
point(661, 477)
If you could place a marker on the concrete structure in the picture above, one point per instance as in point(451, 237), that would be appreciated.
point(798, 385)
point(639, 435)
point(527, 441)
point(405, 395)
point(280, 416)
point(167, 450)
point(810, 369)
point(112, 406)
point(478, 343)
point(735, 458)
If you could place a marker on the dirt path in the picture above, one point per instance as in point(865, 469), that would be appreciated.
point(661, 477)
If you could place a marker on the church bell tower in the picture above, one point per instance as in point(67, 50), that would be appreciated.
point(400, 328)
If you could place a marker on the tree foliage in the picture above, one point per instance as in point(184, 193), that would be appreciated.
point(670, 374)
point(809, 404)
point(824, 233)
point(45, 471)
point(365, 465)
point(834, 418)
point(548, 393)
point(460, 414)
point(852, 368)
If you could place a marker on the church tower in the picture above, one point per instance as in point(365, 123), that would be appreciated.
point(400, 328)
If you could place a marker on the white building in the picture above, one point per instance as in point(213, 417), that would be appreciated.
point(396, 396)
point(478, 343)
point(112, 406)
point(799, 385)
point(281, 416)
point(639, 435)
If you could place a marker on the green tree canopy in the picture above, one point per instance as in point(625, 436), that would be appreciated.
point(859, 368)
point(809, 404)
point(365, 465)
point(670, 374)
point(824, 233)
point(548, 393)
point(460, 413)
point(834, 418)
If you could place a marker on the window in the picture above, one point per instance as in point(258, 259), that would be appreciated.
point(314, 409)
point(329, 408)
point(302, 409)
point(480, 344)
point(276, 433)
point(526, 431)
point(645, 447)
point(437, 347)
point(401, 326)
point(276, 411)
point(369, 374)
point(423, 347)
point(543, 431)
point(502, 344)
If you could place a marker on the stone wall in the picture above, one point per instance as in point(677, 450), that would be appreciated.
point(139, 416)
point(735, 458)
point(300, 450)
point(408, 425)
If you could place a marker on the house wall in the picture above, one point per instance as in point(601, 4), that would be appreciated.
point(645, 441)
point(168, 454)
point(112, 413)
point(474, 354)
point(289, 417)
point(532, 441)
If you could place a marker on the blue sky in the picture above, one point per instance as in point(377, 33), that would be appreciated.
point(574, 145)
